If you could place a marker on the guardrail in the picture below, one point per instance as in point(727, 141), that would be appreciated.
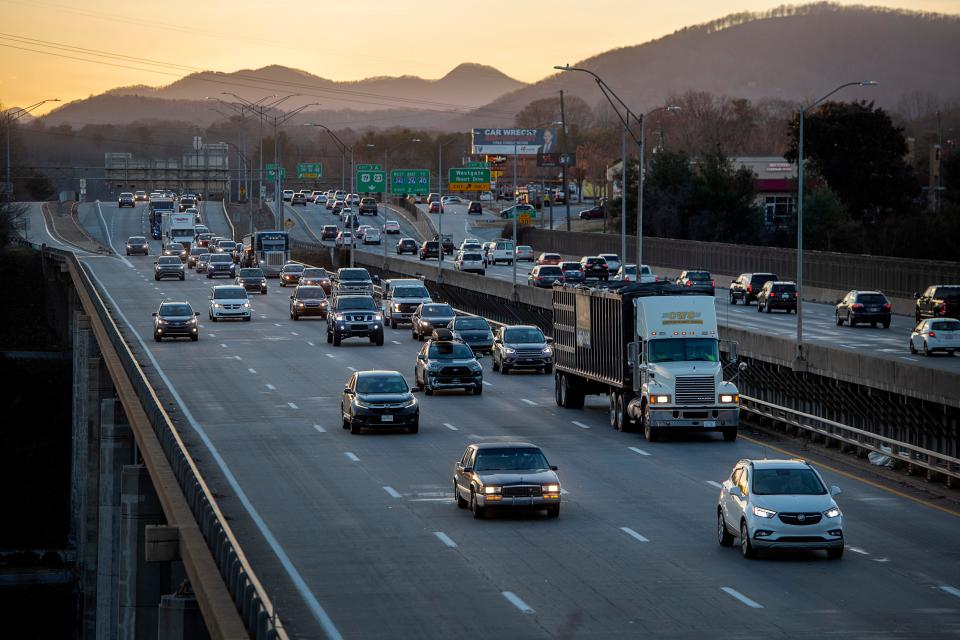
point(233, 231)
point(249, 596)
point(901, 451)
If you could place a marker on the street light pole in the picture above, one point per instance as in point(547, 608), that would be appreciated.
point(800, 162)
point(10, 116)
point(641, 180)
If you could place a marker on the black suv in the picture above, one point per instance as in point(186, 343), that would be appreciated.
point(379, 399)
point(175, 320)
point(938, 301)
point(745, 287)
point(354, 316)
point(475, 207)
point(368, 206)
point(445, 363)
point(864, 307)
point(137, 244)
point(252, 279)
point(594, 267)
point(428, 316)
point(777, 295)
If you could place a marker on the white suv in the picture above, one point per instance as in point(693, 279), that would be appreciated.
point(779, 504)
point(229, 301)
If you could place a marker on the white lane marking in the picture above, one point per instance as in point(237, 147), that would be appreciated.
point(513, 599)
point(352, 368)
point(450, 426)
point(529, 402)
point(395, 341)
point(640, 451)
point(580, 424)
point(908, 358)
point(445, 539)
point(292, 406)
point(742, 598)
point(109, 237)
point(352, 457)
point(294, 333)
point(271, 387)
point(951, 590)
point(880, 559)
point(714, 483)
point(330, 355)
point(487, 383)
point(264, 317)
point(303, 589)
point(859, 550)
point(253, 371)
point(319, 428)
point(212, 335)
point(277, 324)
point(311, 344)
point(393, 493)
point(237, 358)
point(633, 534)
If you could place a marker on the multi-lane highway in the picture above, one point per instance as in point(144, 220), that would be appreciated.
point(359, 535)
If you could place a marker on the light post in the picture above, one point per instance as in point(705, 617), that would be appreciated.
point(440, 146)
point(342, 147)
point(641, 178)
point(278, 179)
point(10, 116)
point(246, 162)
point(800, 163)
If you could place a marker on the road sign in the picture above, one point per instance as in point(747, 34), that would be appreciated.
point(406, 181)
point(469, 179)
point(371, 181)
point(478, 164)
point(310, 170)
point(272, 173)
point(289, 224)
point(496, 173)
point(523, 218)
point(369, 167)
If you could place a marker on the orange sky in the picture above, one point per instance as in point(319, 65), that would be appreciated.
point(330, 38)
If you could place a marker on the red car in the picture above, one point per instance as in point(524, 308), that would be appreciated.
point(593, 213)
point(550, 258)
point(435, 207)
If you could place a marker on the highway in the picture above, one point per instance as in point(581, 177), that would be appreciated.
point(358, 536)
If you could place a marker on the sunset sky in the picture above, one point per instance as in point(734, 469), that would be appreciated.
point(55, 49)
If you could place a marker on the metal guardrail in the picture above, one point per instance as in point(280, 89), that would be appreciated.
point(233, 232)
point(907, 453)
point(249, 596)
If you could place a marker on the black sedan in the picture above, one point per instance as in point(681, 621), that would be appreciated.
point(252, 279)
point(864, 307)
point(379, 399)
point(498, 475)
point(593, 213)
point(429, 316)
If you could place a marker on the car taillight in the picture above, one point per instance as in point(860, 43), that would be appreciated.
point(932, 334)
point(713, 283)
point(887, 307)
point(796, 294)
point(749, 288)
point(689, 283)
point(773, 294)
point(857, 307)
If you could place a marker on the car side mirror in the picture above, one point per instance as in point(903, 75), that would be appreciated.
point(154, 314)
point(421, 357)
point(467, 470)
point(414, 389)
point(196, 313)
point(554, 467)
point(549, 340)
point(348, 391)
point(735, 491)
point(835, 490)
point(156, 263)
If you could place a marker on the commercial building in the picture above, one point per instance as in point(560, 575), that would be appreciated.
point(204, 170)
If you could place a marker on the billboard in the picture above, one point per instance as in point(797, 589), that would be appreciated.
point(524, 142)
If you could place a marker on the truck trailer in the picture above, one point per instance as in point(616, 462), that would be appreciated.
point(652, 348)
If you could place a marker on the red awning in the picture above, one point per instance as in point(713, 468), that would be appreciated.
point(774, 185)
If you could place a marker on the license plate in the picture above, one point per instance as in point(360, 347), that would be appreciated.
point(710, 423)
point(386, 418)
point(523, 502)
point(455, 380)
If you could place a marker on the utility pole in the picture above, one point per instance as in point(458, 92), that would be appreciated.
point(623, 197)
point(566, 188)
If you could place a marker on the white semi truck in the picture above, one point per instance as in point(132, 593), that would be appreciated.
point(653, 349)
point(178, 227)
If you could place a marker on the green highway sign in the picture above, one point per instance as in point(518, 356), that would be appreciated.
point(469, 179)
point(272, 165)
point(369, 167)
point(406, 181)
point(371, 181)
point(310, 170)
point(272, 173)
point(478, 164)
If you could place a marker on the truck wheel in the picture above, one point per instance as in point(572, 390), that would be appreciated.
point(730, 434)
point(615, 410)
point(336, 339)
point(504, 369)
point(393, 323)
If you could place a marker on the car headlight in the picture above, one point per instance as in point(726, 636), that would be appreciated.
point(660, 398)
point(299, 303)
point(378, 316)
point(425, 323)
point(509, 351)
point(547, 351)
point(409, 403)
point(760, 512)
point(396, 307)
point(357, 402)
point(161, 321)
point(551, 488)
point(832, 512)
point(729, 398)
point(340, 317)
point(216, 305)
point(246, 305)
point(491, 490)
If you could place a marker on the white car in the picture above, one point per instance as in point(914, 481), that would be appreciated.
point(287, 195)
point(320, 198)
point(345, 213)
point(229, 301)
point(344, 238)
point(936, 334)
point(613, 261)
point(391, 226)
point(445, 200)
point(353, 199)
point(361, 230)
point(779, 504)
point(628, 273)
point(470, 262)
point(471, 245)
point(371, 235)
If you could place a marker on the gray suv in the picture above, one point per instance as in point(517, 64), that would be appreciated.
point(401, 298)
point(168, 267)
point(522, 347)
point(354, 281)
point(354, 316)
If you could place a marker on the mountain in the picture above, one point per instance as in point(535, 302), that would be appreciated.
point(465, 87)
point(792, 53)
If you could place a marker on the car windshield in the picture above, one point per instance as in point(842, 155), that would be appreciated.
point(310, 292)
point(683, 350)
point(251, 273)
point(410, 292)
point(204, 257)
point(871, 298)
point(381, 384)
point(175, 246)
point(229, 293)
point(948, 293)
point(196, 251)
point(510, 459)
point(227, 245)
point(356, 304)
point(945, 325)
point(450, 351)
point(315, 273)
point(437, 310)
point(175, 310)
point(780, 482)
point(471, 323)
point(523, 335)
point(137, 240)
point(220, 257)
point(353, 274)
point(169, 260)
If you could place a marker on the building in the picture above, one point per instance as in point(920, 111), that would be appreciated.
point(204, 170)
point(775, 182)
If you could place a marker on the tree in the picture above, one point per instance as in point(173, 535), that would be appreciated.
point(825, 219)
point(12, 215)
point(538, 112)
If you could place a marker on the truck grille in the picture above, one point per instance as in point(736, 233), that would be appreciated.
point(359, 317)
point(275, 259)
point(696, 390)
point(521, 490)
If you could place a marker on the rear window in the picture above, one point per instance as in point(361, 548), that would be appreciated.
point(551, 256)
point(570, 266)
point(595, 261)
point(945, 325)
point(196, 251)
point(779, 288)
point(505, 246)
point(760, 279)
point(871, 298)
point(697, 275)
point(472, 256)
point(948, 293)
point(550, 271)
